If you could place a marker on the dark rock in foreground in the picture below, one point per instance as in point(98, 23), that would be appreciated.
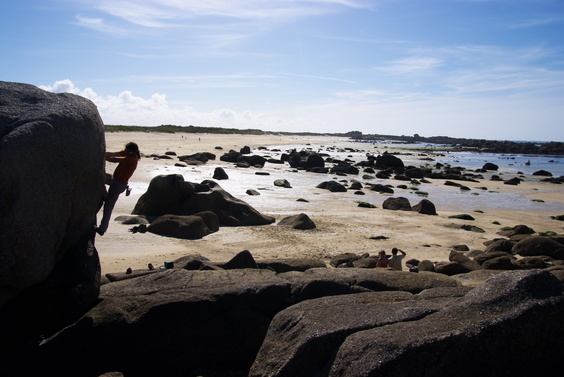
point(486, 332)
point(51, 187)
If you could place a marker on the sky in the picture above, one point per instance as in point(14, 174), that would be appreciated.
point(480, 69)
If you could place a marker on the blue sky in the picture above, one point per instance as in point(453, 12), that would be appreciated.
point(491, 69)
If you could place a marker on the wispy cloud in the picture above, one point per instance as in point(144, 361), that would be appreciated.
point(538, 21)
point(161, 13)
point(99, 24)
point(412, 65)
point(325, 78)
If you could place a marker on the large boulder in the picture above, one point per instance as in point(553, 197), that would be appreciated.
point(486, 331)
point(387, 160)
point(170, 194)
point(209, 322)
point(51, 186)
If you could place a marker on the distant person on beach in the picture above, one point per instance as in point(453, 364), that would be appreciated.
point(395, 260)
point(127, 163)
point(383, 260)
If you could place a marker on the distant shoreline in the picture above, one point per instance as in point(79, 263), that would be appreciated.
point(450, 143)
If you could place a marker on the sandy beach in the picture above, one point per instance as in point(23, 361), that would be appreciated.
point(341, 225)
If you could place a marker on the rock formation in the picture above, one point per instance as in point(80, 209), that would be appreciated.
point(172, 195)
point(52, 168)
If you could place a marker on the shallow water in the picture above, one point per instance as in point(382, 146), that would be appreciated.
point(282, 201)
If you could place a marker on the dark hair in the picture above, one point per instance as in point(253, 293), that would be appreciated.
point(133, 147)
point(394, 250)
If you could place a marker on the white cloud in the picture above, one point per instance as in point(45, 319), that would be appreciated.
point(61, 86)
point(129, 109)
point(98, 24)
point(369, 111)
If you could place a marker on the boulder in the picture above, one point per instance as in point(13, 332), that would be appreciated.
point(344, 259)
point(344, 168)
point(51, 188)
point(466, 263)
point(201, 157)
point(426, 265)
point(388, 335)
point(517, 229)
point(312, 160)
point(332, 186)
point(209, 322)
point(539, 245)
point(425, 207)
point(244, 259)
point(480, 259)
point(500, 245)
point(253, 160)
point(366, 262)
point(387, 160)
point(397, 204)
point(381, 188)
point(449, 268)
point(504, 262)
point(231, 156)
point(300, 221)
point(305, 159)
point(170, 194)
point(543, 173)
point(490, 166)
point(219, 174)
point(186, 227)
point(282, 183)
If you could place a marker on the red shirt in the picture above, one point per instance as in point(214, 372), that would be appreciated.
point(126, 167)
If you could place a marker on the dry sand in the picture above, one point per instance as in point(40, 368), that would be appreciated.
point(341, 226)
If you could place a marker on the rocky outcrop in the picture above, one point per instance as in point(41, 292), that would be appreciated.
point(51, 187)
point(200, 321)
point(392, 334)
point(171, 195)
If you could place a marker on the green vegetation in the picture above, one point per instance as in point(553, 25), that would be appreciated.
point(168, 128)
